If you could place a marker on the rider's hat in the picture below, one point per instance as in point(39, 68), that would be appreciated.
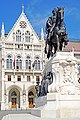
point(54, 10)
point(60, 8)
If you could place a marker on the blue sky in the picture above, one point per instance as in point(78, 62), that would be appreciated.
point(38, 11)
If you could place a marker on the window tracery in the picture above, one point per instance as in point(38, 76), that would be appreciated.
point(37, 63)
point(27, 36)
point(28, 63)
point(18, 36)
point(18, 62)
point(9, 62)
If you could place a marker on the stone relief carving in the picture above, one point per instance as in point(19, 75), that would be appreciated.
point(67, 74)
point(67, 86)
point(23, 24)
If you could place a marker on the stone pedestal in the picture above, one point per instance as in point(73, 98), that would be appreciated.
point(65, 73)
point(63, 99)
point(61, 106)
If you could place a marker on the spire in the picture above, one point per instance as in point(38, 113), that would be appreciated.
point(22, 8)
point(42, 34)
point(2, 31)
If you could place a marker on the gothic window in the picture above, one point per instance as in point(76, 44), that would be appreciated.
point(9, 77)
point(30, 93)
point(27, 36)
point(18, 63)
point(13, 94)
point(18, 36)
point(19, 78)
point(23, 24)
point(9, 62)
point(28, 63)
point(37, 79)
point(37, 63)
point(28, 78)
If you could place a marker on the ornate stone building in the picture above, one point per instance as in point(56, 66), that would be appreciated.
point(21, 64)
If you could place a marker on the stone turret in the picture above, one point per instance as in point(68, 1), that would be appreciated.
point(2, 31)
point(42, 34)
point(22, 8)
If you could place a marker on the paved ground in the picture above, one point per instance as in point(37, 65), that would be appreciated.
point(20, 117)
point(25, 115)
point(30, 117)
point(6, 112)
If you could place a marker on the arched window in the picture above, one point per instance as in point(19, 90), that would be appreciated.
point(30, 93)
point(13, 94)
point(37, 64)
point(18, 63)
point(18, 36)
point(27, 36)
point(28, 63)
point(9, 62)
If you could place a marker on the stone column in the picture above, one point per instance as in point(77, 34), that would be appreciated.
point(3, 74)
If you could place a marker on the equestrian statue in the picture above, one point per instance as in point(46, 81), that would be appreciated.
point(56, 32)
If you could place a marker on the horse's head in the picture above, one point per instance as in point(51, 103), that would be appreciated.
point(61, 13)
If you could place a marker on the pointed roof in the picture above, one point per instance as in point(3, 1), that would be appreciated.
point(42, 34)
point(16, 26)
point(72, 45)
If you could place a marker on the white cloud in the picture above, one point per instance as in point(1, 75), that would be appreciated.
point(32, 5)
point(34, 2)
point(72, 11)
point(40, 22)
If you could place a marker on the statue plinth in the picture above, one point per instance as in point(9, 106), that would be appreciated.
point(61, 106)
point(65, 77)
point(63, 99)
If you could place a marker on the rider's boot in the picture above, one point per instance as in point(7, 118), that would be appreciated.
point(48, 37)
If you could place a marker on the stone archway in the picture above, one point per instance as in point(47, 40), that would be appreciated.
point(31, 96)
point(31, 99)
point(14, 98)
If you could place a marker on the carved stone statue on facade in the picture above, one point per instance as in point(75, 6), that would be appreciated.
point(42, 90)
point(46, 81)
point(56, 32)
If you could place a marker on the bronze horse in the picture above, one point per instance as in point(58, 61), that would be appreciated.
point(56, 35)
